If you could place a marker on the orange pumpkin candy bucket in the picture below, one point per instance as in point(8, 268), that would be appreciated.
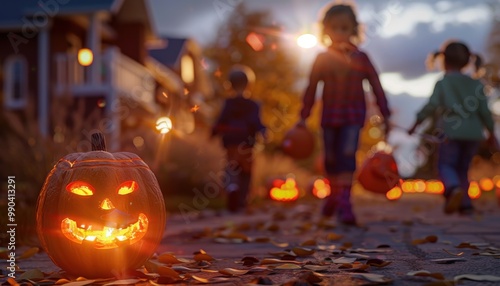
point(379, 173)
point(298, 142)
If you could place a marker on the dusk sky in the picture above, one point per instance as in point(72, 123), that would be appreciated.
point(398, 35)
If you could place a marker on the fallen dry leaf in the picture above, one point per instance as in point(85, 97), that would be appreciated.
point(376, 250)
point(310, 242)
point(479, 244)
point(184, 269)
point(372, 277)
point(311, 277)
point(482, 278)
point(62, 281)
point(334, 236)
point(200, 279)
point(357, 255)
point(33, 274)
point(448, 260)
point(280, 244)
point(326, 247)
point(168, 272)
point(233, 272)
point(454, 254)
point(266, 261)
point(249, 260)
point(355, 267)
point(224, 240)
point(80, 283)
point(466, 245)
point(318, 268)
point(344, 260)
point(124, 282)
point(377, 262)
point(281, 253)
point(261, 281)
point(288, 266)
point(168, 258)
point(303, 251)
point(431, 238)
point(28, 253)
point(261, 239)
point(425, 273)
point(489, 253)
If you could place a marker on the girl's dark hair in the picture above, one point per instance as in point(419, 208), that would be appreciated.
point(338, 9)
point(457, 55)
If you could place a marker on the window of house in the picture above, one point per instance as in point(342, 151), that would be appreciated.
point(16, 82)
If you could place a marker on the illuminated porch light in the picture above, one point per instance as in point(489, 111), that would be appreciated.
point(164, 125)
point(187, 69)
point(85, 57)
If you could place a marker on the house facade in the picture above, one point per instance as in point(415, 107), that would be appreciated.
point(72, 66)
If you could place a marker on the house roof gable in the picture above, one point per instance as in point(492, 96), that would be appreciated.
point(169, 54)
point(14, 14)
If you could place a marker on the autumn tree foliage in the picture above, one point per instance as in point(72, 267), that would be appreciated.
point(253, 39)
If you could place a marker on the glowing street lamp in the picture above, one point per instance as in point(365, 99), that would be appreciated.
point(85, 57)
point(164, 125)
point(307, 41)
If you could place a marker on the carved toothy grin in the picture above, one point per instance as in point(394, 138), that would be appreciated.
point(104, 237)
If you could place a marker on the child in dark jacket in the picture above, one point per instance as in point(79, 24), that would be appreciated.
point(238, 124)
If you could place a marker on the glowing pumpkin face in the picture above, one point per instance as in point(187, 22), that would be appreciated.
point(100, 213)
point(321, 188)
point(284, 191)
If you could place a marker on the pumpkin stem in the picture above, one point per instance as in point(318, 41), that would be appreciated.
point(98, 142)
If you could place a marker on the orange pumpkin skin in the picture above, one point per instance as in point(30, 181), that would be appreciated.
point(379, 173)
point(298, 142)
point(108, 208)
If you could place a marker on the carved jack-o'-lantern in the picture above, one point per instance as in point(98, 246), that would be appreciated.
point(320, 188)
point(100, 214)
point(284, 191)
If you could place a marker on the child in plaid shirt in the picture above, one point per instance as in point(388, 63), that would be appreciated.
point(342, 69)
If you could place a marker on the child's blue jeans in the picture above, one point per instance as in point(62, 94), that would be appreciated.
point(454, 161)
point(340, 145)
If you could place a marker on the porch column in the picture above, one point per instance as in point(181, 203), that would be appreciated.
point(113, 102)
point(43, 80)
point(94, 44)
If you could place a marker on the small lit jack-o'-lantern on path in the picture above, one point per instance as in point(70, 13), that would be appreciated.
point(284, 191)
point(100, 214)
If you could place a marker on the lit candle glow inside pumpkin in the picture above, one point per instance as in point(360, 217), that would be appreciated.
point(287, 192)
point(394, 194)
point(114, 233)
point(105, 237)
point(321, 188)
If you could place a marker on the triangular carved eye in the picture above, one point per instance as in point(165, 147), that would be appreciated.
point(127, 187)
point(80, 188)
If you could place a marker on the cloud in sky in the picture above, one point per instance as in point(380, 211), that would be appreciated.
point(438, 15)
point(422, 86)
